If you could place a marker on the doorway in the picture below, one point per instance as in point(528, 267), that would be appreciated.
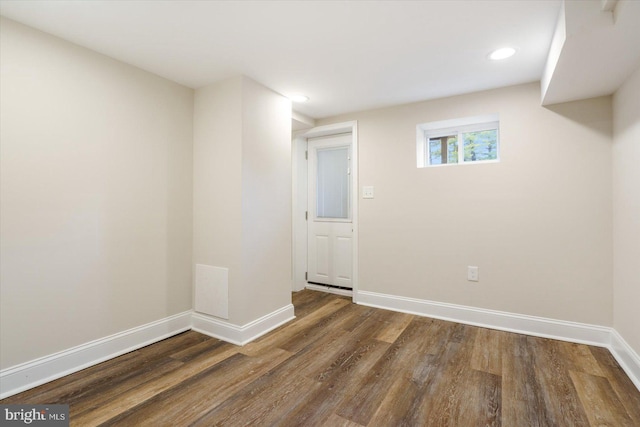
point(329, 219)
point(325, 206)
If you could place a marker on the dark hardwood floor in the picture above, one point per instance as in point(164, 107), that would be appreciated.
point(340, 364)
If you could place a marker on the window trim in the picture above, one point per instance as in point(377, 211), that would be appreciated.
point(426, 131)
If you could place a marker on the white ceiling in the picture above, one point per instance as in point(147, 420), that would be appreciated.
point(345, 55)
point(597, 50)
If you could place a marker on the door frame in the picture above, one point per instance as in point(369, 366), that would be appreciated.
point(300, 197)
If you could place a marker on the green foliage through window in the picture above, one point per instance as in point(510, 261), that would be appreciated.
point(482, 145)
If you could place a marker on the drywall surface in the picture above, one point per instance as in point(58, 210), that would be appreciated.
point(538, 224)
point(217, 182)
point(266, 200)
point(626, 210)
point(96, 190)
point(242, 193)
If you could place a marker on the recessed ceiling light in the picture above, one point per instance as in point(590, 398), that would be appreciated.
point(299, 98)
point(502, 53)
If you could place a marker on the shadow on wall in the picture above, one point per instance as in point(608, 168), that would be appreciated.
point(595, 113)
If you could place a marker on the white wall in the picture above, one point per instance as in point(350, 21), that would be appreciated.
point(626, 210)
point(538, 224)
point(96, 190)
point(242, 198)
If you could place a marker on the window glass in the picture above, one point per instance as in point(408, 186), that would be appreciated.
point(443, 150)
point(480, 145)
point(333, 183)
point(466, 140)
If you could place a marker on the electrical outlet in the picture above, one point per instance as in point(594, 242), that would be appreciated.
point(472, 273)
point(367, 192)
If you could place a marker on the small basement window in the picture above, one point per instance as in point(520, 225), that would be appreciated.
point(459, 141)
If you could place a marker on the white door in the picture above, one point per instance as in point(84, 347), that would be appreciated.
point(330, 226)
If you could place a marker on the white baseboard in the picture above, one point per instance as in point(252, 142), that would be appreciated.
point(563, 330)
point(626, 357)
point(510, 322)
point(27, 375)
point(241, 335)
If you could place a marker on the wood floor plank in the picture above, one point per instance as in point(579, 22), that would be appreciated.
point(83, 384)
point(189, 400)
point(471, 398)
point(263, 401)
point(620, 382)
point(341, 379)
point(353, 346)
point(392, 328)
point(100, 396)
point(487, 351)
point(523, 402)
point(361, 407)
point(558, 390)
point(148, 390)
point(596, 394)
point(337, 421)
point(307, 363)
point(312, 359)
point(407, 402)
point(480, 400)
point(185, 354)
point(333, 321)
point(335, 352)
point(307, 302)
point(453, 402)
point(402, 399)
point(578, 358)
point(361, 315)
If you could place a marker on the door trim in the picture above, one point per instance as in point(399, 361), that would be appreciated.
point(299, 144)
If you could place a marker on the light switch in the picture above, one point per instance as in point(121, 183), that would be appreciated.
point(367, 192)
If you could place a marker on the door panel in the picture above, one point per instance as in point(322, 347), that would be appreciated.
point(342, 260)
point(330, 227)
point(322, 256)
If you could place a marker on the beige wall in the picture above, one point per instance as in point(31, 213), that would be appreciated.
point(266, 201)
point(242, 196)
point(217, 182)
point(626, 211)
point(96, 190)
point(538, 224)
